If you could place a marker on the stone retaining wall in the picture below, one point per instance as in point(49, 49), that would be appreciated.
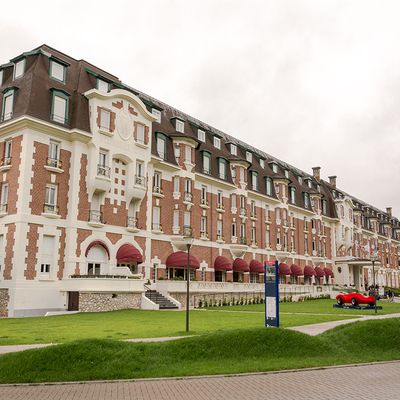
point(4, 298)
point(95, 302)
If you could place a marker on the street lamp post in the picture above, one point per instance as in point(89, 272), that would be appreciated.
point(189, 242)
point(373, 259)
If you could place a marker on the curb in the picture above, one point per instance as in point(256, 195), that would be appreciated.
point(179, 378)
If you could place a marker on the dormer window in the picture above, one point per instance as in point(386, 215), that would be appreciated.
point(1, 77)
point(102, 85)
point(19, 69)
point(306, 200)
point(161, 146)
point(293, 195)
point(300, 180)
point(324, 206)
point(201, 135)
point(274, 167)
point(8, 105)
point(262, 163)
point(268, 184)
point(180, 126)
point(206, 163)
point(58, 71)
point(59, 107)
point(233, 149)
point(254, 180)
point(319, 188)
point(222, 168)
point(217, 142)
point(249, 156)
point(309, 183)
point(286, 173)
point(156, 113)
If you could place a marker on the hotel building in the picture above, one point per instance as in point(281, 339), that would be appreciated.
point(100, 184)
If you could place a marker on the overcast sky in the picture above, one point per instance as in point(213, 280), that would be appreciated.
point(311, 82)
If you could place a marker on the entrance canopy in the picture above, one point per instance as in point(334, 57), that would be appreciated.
point(128, 253)
point(309, 271)
point(329, 272)
point(284, 269)
point(179, 259)
point(319, 272)
point(295, 270)
point(222, 263)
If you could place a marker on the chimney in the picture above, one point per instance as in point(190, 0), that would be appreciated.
point(332, 180)
point(317, 173)
point(389, 211)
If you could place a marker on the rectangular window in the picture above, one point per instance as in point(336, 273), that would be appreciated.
point(105, 119)
point(140, 130)
point(7, 148)
point(103, 158)
point(1, 254)
point(275, 168)
point(267, 239)
point(253, 207)
point(176, 184)
point(219, 199)
point(1, 77)
point(51, 195)
point(203, 192)
point(217, 142)
point(253, 234)
point(293, 195)
point(176, 219)
point(188, 185)
point(57, 71)
point(233, 149)
point(47, 254)
point(54, 150)
point(242, 231)
point(219, 229)
point(186, 219)
point(180, 126)
point(300, 180)
point(139, 169)
point(203, 225)
point(269, 187)
point(286, 173)
point(161, 147)
point(60, 107)
point(254, 180)
point(19, 68)
point(201, 135)
point(242, 201)
point(324, 207)
point(266, 212)
point(8, 105)
point(306, 200)
point(262, 163)
point(156, 113)
point(309, 183)
point(233, 200)
point(249, 156)
point(156, 217)
point(188, 154)
point(233, 229)
point(157, 181)
point(222, 169)
point(4, 197)
point(102, 85)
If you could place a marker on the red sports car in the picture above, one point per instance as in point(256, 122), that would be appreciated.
point(354, 299)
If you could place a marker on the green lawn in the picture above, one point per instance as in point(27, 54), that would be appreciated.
point(137, 324)
point(324, 306)
point(246, 350)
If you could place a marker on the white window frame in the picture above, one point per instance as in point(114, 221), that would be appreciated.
point(105, 119)
point(161, 140)
point(4, 194)
point(8, 105)
point(262, 163)
point(102, 85)
point(188, 153)
point(249, 156)
point(103, 158)
point(51, 194)
point(62, 115)
point(233, 149)
point(1, 77)
point(140, 133)
point(156, 113)
point(180, 126)
point(175, 222)
point(55, 71)
point(222, 169)
point(268, 185)
point(217, 142)
point(233, 200)
point(19, 68)
point(201, 135)
point(7, 148)
point(293, 195)
point(176, 184)
point(275, 167)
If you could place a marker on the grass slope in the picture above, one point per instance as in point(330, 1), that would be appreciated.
point(224, 352)
point(128, 324)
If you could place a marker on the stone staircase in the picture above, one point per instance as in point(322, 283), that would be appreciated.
point(159, 299)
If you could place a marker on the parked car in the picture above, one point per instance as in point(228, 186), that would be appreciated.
point(354, 298)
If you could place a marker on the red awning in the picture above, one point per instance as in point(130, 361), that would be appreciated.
point(240, 265)
point(309, 271)
point(328, 272)
point(319, 272)
point(256, 267)
point(128, 253)
point(97, 243)
point(284, 269)
point(222, 263)
point(179, 260)
point(295, 270)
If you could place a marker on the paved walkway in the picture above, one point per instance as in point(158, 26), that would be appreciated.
point(316, 329)
point(341, 383)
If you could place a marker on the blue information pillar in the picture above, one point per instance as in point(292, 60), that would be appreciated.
point(271, 298)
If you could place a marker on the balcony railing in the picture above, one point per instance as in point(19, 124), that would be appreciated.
point(5, 162)
point(103, 170)
point(140, 180)
point(203, 234)
point(242, 211)
point(220, 206)
point(96, 216)
point(158, 190)
point(220, 237)
point(243, 240)
point(53, 162)
point(50, 209)
point(131, 222)
point(187, 196)
point(253, 214)
point(203, 202)
point(187, 231)
point(156, 227)
point(3, 208)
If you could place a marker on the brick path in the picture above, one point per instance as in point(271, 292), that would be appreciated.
point(378, 381)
